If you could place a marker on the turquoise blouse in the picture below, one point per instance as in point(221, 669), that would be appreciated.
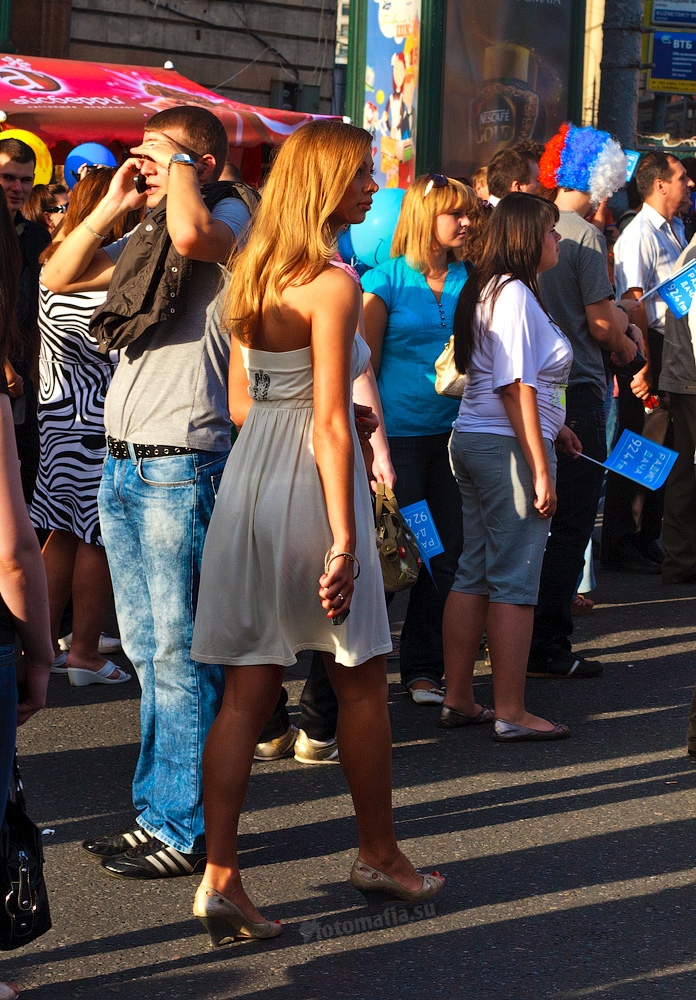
point(418, 327)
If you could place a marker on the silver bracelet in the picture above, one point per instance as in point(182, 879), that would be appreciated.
point(331, 555)
point(91, 231)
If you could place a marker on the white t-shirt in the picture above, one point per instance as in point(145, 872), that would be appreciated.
point(518, 342)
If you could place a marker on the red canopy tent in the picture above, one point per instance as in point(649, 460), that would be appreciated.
point(66, 102)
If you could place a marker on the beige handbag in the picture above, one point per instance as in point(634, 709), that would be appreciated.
point(448, 381)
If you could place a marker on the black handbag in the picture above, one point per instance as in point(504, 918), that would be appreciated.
point(24, 910)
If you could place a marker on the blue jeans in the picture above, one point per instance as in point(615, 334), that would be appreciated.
point(8, 720)
point(154, 514)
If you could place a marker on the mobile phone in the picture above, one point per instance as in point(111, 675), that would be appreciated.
point(339, 619)
point(140, 183)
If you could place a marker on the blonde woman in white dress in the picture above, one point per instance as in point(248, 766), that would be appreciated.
point(290, 549)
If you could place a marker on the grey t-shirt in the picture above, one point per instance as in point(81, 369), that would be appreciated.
point(170, 386)
point(579, 279)
point(678, 365)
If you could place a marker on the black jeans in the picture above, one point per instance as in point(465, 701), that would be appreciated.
point(633, 514)
point(423, 472)
point(318, 707)
point(578, 486)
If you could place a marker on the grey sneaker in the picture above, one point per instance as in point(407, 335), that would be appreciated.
point(308, 751)
point(281, 746)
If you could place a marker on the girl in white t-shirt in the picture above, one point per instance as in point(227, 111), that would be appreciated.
point(502, 452)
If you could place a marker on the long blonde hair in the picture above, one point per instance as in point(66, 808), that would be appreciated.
point(414, 236)
point(290, 241)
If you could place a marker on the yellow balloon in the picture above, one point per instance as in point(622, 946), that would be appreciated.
point(44, 163)
point(380, 96)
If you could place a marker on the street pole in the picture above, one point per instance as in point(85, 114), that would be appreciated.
point(621, 60)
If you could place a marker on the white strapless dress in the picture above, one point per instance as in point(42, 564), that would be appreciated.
point(264, 550)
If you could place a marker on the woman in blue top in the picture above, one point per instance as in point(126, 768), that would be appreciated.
point(409, 307)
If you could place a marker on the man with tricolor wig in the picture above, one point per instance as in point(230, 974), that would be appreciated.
point(585, 166)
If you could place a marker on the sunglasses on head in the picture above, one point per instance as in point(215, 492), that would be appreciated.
point(435, 181)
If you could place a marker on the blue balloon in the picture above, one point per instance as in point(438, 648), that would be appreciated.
point(372, 238)
point(88, 152)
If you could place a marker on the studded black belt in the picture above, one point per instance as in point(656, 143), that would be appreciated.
point(119, 449)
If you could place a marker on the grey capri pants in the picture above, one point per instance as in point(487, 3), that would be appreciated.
point(504, 536)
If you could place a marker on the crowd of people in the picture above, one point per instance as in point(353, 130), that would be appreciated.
point(145, 327)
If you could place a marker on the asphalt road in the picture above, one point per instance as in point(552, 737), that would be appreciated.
point(570, 866)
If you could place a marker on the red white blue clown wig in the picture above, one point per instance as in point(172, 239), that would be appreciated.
point(584, 159)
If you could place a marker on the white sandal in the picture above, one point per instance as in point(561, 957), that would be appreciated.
point(80, 678)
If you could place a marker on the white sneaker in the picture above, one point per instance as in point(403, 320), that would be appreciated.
point(427, 696)
point(107, 644)
point(308, 751)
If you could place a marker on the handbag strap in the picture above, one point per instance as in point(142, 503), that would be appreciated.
point(19, 785)
point(384, 497)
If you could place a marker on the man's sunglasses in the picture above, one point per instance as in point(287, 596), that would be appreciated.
point(435, 181)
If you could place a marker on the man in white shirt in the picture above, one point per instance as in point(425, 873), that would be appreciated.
point(645, 254)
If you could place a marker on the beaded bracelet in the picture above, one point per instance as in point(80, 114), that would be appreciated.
point(331, 555)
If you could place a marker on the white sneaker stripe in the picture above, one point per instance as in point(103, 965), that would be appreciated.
point(131, 839)
point(181, 859)
point(169, 861)
point(152, 858)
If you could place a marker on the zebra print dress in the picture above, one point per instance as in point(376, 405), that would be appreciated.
point(74, 378)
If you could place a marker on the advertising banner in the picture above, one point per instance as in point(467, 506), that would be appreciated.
point(391, 88)
point(73, 102)
point(673, 61)
point(506, 77)
point(677, 12)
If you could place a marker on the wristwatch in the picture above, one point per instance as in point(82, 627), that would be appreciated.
point(181, 158)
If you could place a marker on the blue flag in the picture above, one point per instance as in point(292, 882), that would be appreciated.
point(641, 460)
point(678, 290)
point(633, 158)
point(419, 519)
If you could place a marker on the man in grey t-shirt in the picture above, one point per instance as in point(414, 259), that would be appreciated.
point(169, 434)
point(578, 294)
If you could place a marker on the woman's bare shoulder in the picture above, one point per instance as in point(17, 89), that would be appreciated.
point(332, 282)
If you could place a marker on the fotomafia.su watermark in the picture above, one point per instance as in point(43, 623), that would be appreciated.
point(390, 916)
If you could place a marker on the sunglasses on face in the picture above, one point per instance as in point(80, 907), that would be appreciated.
point(435, 181)
point(57, 208)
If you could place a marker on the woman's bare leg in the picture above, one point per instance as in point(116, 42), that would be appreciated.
point(59, 560)
point(364, 744)
point(463, 625)
point(509, 638)
point(251, 694)
point(91, 591)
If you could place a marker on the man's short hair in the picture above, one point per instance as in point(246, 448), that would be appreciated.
point(479, 176)
point(204, 132)
point(532, 150)
point(506, 167)
point(653, 165)
point(17, 150)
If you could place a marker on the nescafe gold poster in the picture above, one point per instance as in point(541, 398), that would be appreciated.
point(506, 77)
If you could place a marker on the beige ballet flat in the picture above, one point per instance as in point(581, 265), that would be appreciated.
point(378, 888)
point(225, 921)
